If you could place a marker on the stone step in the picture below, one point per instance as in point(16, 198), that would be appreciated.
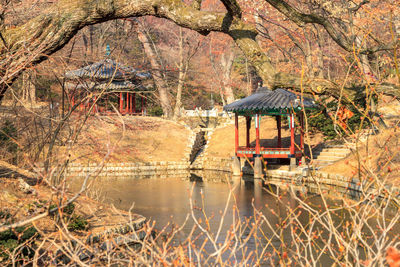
point(336, 149)
point(331, 149)
point(344, 146)
point(322, 162)
point(329, 158)
point(342, 154)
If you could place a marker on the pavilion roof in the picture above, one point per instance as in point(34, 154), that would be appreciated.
point(270, 101)
point(108, 86)
point(107, 69)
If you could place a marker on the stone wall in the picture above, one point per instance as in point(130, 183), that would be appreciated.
point(313, 180)
point(327, 181)
point(156, 169)
point(217, 164)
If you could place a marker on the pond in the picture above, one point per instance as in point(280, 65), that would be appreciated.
point(283, 218)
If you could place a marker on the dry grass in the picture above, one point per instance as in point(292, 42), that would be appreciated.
point(132, 139)
point(379, 155)
point(101, 217)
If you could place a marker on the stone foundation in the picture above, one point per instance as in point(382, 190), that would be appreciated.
point(159, 169)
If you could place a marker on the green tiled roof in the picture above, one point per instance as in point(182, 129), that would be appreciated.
point(267, 101)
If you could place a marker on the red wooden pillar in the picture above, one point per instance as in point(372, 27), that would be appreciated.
point(130, 103)
point(257, 124)
point(121, 102)
point(236, 133)
point(302, 131)
point(291, 134)
point(127, 103)
point(134, 103)
point(279, 127)
point(248, 125)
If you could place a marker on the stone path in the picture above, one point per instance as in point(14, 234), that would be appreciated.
point(328, 154)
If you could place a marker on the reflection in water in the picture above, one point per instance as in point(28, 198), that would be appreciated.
point(168, 201)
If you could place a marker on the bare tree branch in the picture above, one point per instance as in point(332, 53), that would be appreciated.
point(302, 18)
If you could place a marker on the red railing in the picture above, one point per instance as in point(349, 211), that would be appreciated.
point(253, 149)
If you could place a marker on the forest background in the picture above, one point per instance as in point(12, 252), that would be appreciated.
point(339, 49)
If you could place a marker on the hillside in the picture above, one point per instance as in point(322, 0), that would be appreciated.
point(129, 139)
point(376, 157)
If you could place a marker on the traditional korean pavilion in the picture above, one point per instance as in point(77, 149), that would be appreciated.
point(121, 84)
point(278, 103)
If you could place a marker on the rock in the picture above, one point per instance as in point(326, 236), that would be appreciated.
point(24, 187)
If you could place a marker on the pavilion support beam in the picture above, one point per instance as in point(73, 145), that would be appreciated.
point(303, 158)
point(236, 133)
point(302, 131)
point(257, 124)
point(121, 102)
point(292, 166)
point(127, 103)
point(291, 134)
point(248, 125)
point(279, 127)
point(257, 158)
point(130, 103)
point(134, 103)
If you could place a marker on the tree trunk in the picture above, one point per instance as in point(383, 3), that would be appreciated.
point(227, 62)
point(182, 67)
point(157, 74)
point(308, 55)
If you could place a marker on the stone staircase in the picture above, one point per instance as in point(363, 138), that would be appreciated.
point(198, 161)
point(328, 154)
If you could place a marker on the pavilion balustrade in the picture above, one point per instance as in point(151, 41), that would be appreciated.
point(294, 150)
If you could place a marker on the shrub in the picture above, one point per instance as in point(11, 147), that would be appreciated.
point(156, 111)
point(77, 222)
point(11, 239)
point(321, 120)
